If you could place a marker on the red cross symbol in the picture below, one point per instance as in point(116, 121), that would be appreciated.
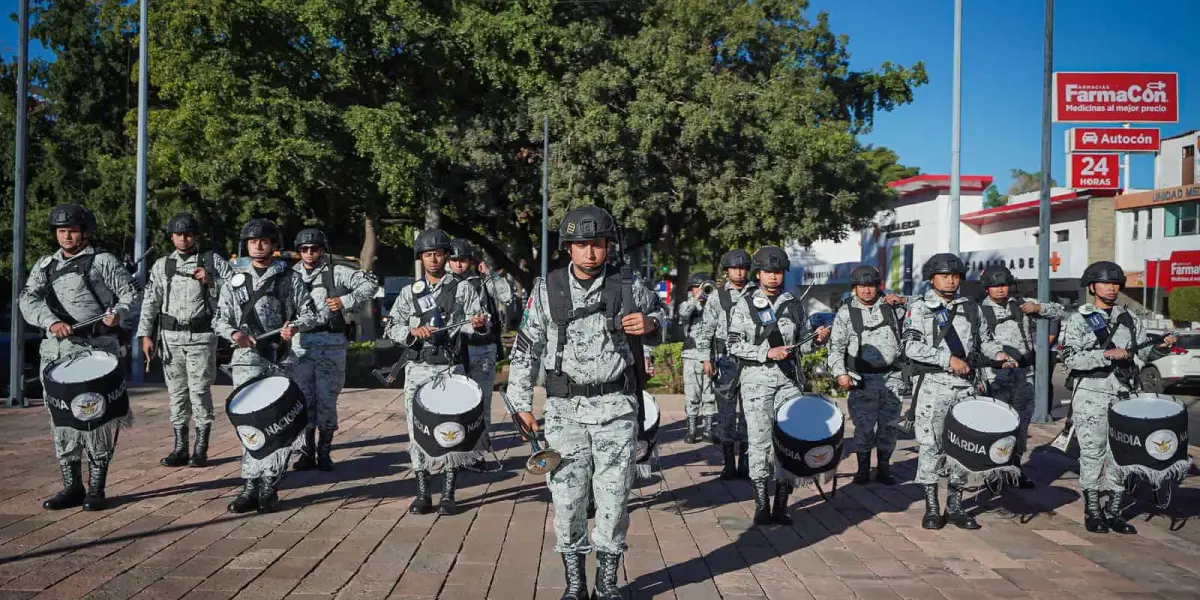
point(1055, 261)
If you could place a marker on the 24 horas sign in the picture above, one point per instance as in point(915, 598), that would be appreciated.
point(1095, 97)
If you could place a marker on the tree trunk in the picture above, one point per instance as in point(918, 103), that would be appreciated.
point(433, 220)
point(368, 329)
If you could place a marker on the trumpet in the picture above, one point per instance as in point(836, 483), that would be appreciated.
point(707, 289)
point(541, 460)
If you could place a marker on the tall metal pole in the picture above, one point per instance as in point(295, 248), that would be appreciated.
point(545, 194)
point(1128, 177)
point(139, 240)
point(956, 133)
point(1042, 379)
point(16, 370)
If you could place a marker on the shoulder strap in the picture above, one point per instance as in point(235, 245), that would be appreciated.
point(558, 295)
point(271, 286)
point(169, 268)
point(856, 321)
point(726, 299)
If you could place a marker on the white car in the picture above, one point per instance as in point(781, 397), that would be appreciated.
point(1180, 368)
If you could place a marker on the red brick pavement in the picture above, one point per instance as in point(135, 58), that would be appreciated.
point(347, 534)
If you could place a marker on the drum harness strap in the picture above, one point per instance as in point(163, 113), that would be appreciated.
point(856, 322)
point(1016, 316)
point(558, 295)
point(83, 267)
point(201, 323)
point(943, 330)
point(441, 349)
point(725, 297)
point(766, 326)
point(249, 320)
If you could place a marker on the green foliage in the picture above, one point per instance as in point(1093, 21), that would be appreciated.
point(360, 359)
point(812, 383)
point(1022, 182)
point(1185, 304)
point(668, 368)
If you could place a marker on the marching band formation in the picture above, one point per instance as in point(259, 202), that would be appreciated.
point(968, 364)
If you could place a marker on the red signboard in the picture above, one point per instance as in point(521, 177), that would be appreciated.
point(1113, 139)
point(1116, 97)
point(1182, 270)
point(1094, 171)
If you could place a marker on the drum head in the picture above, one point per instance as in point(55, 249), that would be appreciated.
point(809, 418)
point(450, 395)
point(1148, 406)
point(987, 415)
point(651, 418)
point(258, 395)
point(85, 367)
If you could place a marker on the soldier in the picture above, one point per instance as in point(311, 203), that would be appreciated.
point(177, 311)
point(765, 330)
point(1009, 322)
point(417, 319)
point(578, 323)
point(866, 341)
point(943, 339)
point(77, 283)
point(482, 349)
point(697, 385)
point(321, 352)
point(1098, 345)
point(731, 423)
point(262, 294)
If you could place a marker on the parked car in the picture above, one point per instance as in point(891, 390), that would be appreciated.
point(1180, 368)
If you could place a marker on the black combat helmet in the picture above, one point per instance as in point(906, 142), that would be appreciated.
point(1103, 272)
point(183, 223)
point(72, 215)
point(865, 275)
point(585, 224)
point(431, 239)
point(462, 249)
point(735, 259)
point(771, 258)
point(996, 275)
point(943, 263)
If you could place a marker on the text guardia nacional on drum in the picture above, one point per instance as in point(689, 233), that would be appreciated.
point(86, 395)
point(979, 439)
point(1148, 437)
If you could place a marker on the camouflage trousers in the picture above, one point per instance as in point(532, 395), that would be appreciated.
point(482, 370)
point(251, 468)
point(731, 422)
point(1090, 417)
point(599, 456)
point(699, 399)
point(1015, 387)
point(190, 370)
point(874, 405)
point(934, 401)
point(417, 374)
point(70, 443)
point(764, 390)
point(321, 372)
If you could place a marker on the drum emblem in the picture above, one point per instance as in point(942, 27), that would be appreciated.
point(1001, 450)
point(818, 457)
point(1162, 444)
point(252, 438)
point(88, 406)
point(449, 434)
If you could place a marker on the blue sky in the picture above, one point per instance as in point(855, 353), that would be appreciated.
point(1001, 72)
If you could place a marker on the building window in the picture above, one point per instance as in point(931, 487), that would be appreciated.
point(1135, 223)
point(1182, 219)
point(1150, 224)
point(1062, 235)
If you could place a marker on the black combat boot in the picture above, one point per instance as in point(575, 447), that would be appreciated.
point(72, 494)
point(247, 500)
point(97, 476)
point(864, 467)
point(446, 502)
point(268, 492)
point(606, 576)
point(1117, 523)
point(1093, 519)
point(710, 429)
point(691, 436)
point(933, 514)
point(307, 460)
point(779, 510)
point(955, 513)
point(883, 467)
point(762, 502)
point(576, 577)
point(200, 451)
point(324, 445)
point(729, 472)
point(743, 468)
point(422, 503)
point(179, 456)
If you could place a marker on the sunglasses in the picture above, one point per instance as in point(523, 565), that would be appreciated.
point(309, 249)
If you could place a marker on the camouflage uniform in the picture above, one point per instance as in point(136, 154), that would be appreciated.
point(874, 401)
point(481, 349)
point(70, 300)
point(1015, 386)
point(730, 429)
point(181, 326)
point(429, 358)
point(699, 400)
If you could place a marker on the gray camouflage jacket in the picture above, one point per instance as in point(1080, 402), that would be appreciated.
point(270, 311)
point(405, 317)
point(1081, 351)
point(112, 282)
point(187, 299)
point(880, 347)
point(919, 331)
point(1017, 337)
point(714, 317)
point(359, 287)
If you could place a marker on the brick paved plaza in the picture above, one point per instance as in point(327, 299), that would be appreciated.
point(347, 534)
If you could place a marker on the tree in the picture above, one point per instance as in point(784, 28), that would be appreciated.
point(1023, 182)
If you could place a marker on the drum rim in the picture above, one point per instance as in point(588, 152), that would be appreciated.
point(229, 404)
point(1009, 411)
point(837, 417)
point(64, 361)
point(1179, 408)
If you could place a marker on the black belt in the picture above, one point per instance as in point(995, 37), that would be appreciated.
point(561, 386)
point(863, 367)
point(198, 325)
point(689, 343)
point(434, 355)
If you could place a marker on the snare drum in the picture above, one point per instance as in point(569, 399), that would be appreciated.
point(268, 413)
point(1148, 435)
point(85, 391)
point(447, 419)
point(980, 437)
point(808, 436)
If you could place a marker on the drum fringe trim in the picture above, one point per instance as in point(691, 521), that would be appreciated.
point(456, 460)
point(1156, 478)
point(1009, 474)
point(796, 481)
point(275, 462)
point(103, 436)
point(646, 468)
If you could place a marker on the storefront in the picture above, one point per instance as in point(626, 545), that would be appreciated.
point(1157, 237)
